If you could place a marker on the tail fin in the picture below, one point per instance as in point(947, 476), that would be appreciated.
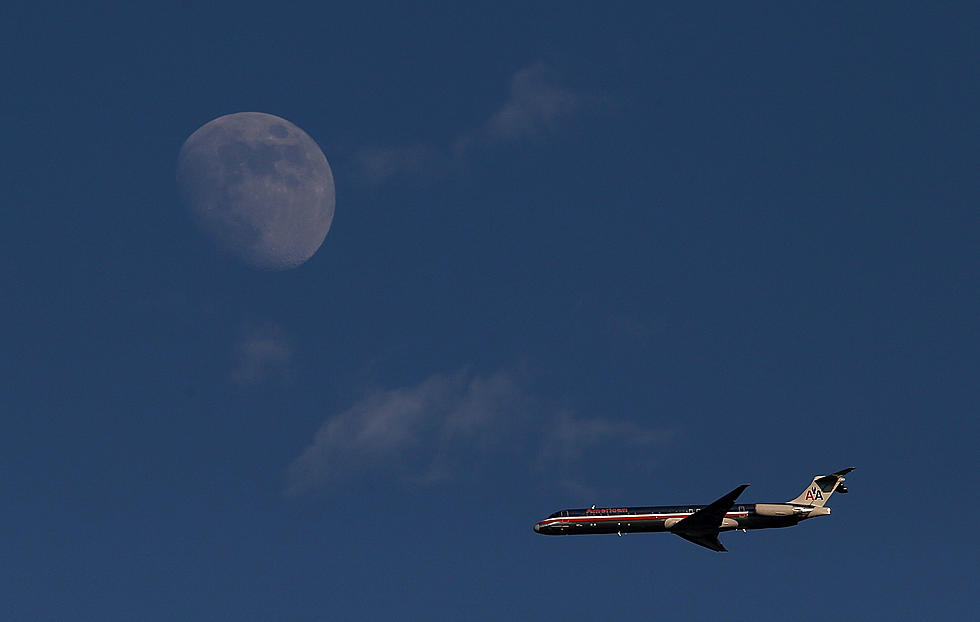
point(820, 489)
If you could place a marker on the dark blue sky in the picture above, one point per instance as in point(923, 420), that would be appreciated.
point(616, 255)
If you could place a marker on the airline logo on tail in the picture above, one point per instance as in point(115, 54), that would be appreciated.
point(813, 494)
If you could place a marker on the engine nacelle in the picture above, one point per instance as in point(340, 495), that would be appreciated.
point(726, 523)
point(774, 509)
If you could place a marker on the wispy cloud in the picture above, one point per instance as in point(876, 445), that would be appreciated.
point(537, 105)
point(262, 353)
point(570, 437)
point(428, 432)
point(414, 432)
point(380, 164)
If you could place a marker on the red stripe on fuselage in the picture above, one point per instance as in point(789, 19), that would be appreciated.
point(624, 517)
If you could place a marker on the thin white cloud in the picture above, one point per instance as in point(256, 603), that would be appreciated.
point(570, 437)
point(380, 164)
point(537, 105)
point(445, 425)
point(410, 432)
point(262, 353)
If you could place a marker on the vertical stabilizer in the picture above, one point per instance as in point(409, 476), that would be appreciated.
point(820, 489)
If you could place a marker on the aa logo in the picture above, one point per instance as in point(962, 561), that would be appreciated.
point(813, 494)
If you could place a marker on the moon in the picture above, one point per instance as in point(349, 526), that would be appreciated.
point(259, 186)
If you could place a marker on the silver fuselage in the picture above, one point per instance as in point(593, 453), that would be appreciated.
point(662, 518)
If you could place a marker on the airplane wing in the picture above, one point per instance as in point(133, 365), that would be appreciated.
point(709, 517)
point(709, 541)
point(702, 526)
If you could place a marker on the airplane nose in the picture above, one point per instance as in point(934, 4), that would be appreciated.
point(537, 528)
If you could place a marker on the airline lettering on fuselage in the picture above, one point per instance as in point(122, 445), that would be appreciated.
point(607, 511)
point(813, 494)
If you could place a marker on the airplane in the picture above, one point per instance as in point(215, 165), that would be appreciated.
point(699, 524)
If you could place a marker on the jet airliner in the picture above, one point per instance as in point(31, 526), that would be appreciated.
point(699, 524)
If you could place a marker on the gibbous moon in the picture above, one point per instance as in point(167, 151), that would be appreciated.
point(259, 186)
